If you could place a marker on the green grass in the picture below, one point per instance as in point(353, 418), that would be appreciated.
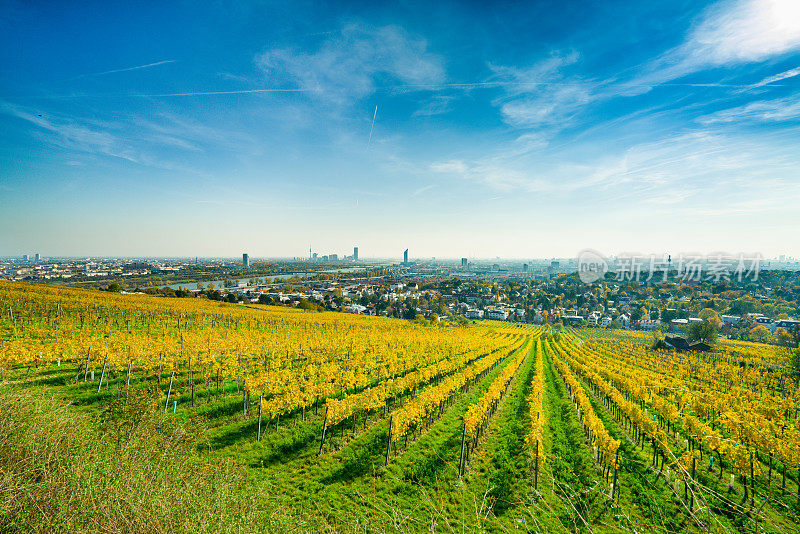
point(73, 460)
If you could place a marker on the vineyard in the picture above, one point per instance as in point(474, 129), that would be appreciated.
point(336, 422)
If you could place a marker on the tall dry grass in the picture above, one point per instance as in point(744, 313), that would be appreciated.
point(130, 469)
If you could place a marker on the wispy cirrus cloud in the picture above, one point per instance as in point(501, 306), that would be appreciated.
point(729, 32)
point(541, 96)
point(437, 105)
point(345, 68)
point(791, 73)
point(491, 173)
point(761, 111)
point(688, 167)
point(159, 142)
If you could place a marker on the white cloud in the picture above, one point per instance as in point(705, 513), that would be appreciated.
point(691, 170)
point(730, 33)
point(775, 110)
point(347, 65)
point(541, 96)
point(453, 166)
point(140, 141)
point(437, 105)
point(776, 78)
point(745, 31)
point(493, 174)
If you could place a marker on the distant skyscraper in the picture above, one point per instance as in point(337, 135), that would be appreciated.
point(36, 257)
point(246, 261)
point(24, 257)
point(525, 267)
point(355, 253)
point(333, 257)
point(405, 256)
point(463, 263)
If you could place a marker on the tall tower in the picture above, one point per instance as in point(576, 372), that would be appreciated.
point(463, 263)
point(246, 260)
point(355, 253)
point(405, 256)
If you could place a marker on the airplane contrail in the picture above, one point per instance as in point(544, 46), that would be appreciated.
point(372, 127)
point(147, 66)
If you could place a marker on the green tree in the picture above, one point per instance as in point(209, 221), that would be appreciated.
point(795, 360)
point(759, 333)
point(707, 314)
point(703, 331)
point(782, 337)
point(796, 335)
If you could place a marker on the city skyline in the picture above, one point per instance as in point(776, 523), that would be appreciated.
point(534, 131)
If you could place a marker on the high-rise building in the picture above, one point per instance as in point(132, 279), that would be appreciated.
point(36, 257)
point(24, 257)
point(405, 256)
point(355, 253)
point(525, 267)
point(333, 257)
point(463, 263)
point(246, 261)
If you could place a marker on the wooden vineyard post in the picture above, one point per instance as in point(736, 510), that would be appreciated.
point(614, 483)
point(86, 369)
point(128, 379)
point(461, 457)
point(536, 466)
point(169, 391)
point(103, 373)
point(753, 482)
point(389, 440)
point(691, 497)
point(14, 319)
point(191, 378)
point(160, 355)
point(324, 428)
point(260, 397)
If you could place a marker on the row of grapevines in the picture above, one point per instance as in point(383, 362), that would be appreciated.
point(479, 412)
point(533, 439)
point(415, 412)
point(375, 397)
point(606, 445)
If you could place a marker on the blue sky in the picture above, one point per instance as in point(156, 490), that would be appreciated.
point(516, 129)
